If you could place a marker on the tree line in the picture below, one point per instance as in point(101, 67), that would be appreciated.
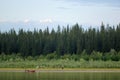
point(66, 40)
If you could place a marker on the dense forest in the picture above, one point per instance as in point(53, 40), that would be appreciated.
point(68, 40)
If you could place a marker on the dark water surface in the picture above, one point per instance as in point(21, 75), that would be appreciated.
point(60, 76)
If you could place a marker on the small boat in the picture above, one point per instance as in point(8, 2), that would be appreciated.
point(29, 70)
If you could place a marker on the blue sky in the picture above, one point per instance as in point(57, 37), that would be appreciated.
point(91, 12)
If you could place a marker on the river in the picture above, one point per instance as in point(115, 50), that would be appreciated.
point(60, 76)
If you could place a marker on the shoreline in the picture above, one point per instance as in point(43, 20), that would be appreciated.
point(62, 70)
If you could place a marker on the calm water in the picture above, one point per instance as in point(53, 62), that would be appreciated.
point(60, 76)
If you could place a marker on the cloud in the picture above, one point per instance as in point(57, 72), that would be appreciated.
point(3, 20)
point(46, 20)
point(63, 8)
point(26, 20)
point(113, 3)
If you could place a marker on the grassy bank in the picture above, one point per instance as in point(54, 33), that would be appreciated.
point(58, 64)
point(61, 70)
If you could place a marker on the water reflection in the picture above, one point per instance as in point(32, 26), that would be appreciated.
point(60, 76)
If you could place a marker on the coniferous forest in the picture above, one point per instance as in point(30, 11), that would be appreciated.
point(66, 40)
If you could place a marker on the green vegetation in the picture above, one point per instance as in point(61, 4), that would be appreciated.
point(44, 64)
point(71, 47)
point(69, 40)
point(95, 60)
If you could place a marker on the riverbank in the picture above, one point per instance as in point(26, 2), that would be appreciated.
point(62, 70)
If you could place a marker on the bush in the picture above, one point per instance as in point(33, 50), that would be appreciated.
point(96, 55)
point(75, 57)
point(30, 58)
point(84, 55)
point(66, 56)
point(51, 56)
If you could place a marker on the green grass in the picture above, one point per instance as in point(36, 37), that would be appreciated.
point(66, 63)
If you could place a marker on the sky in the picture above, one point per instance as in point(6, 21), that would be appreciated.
point(91, 12)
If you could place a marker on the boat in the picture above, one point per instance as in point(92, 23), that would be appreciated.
point(29, 70)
